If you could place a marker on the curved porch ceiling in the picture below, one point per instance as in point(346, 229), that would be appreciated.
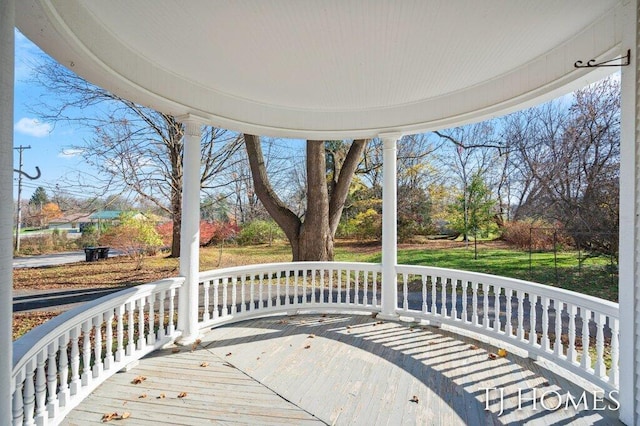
point(329, 69)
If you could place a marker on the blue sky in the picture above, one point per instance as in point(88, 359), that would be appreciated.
point(49, 146)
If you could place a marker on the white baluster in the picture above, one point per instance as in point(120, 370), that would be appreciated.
point(614, 373)
point(295, 287)
point(29, 393)
point(405, 291)
point(508, 297)
point(313, 286)
point(18, 404)
point(131, 342)
point(339, 298)
point(269, 290)
point(600, 369)
point(151, 336)
point(52, 378)
point(546, 344)
point(557, 345)
point(216, 298)
point(206, 316)
point(520, 294)
point(120, 334)
point(497, 325)
point(41, 388)
point(161, 329)
point(375, 289)
point(572, 356)
point(172, 295)
point(454, 299)
point(234, 290)
point(252, 290)
point(278, 289)
point(243, 293)
point(475, 315)
point(443, 294)
point(97, 347)
point(585, 362)
point(365, 290)
point(287, 283)
point(347, 287)
point(75, 361)
point(485, 305)
point(533, 334)
point(86, 353)
point(141, 332)
point(322, 273)
point(63, 363)
point(108, 359)
point(424, 294)
point(465, 313)
point(356, 284)
point(225, 291)
point(434, 295)
point(331, 274)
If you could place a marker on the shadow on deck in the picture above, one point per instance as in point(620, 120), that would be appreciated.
point(338, 369)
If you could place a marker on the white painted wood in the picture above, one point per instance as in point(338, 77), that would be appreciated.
point(629, 260)
point(7, 59)
point(389, 225)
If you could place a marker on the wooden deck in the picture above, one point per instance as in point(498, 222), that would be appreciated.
point(334, 369)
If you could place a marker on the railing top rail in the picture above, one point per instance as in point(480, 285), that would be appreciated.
point(288, 266)
point(35, 340)
point(590, 302)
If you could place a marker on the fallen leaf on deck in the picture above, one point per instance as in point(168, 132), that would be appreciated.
point(348, 326)
point(311, 336)
point(175, 350)
point(124, 415)
point(144, 395)
point(257, 358)
point(320, 320)
point(324, 315)
point(138, 380)
point(198, 341)
point(502, 352)
point(229, 354)
point(414, 399)
point(283, 322)
point(182, 395)
point(161, 396)
point(108, 417)
point(307, 347)
point(493, 356)
point(204, 364)
point(473, 347)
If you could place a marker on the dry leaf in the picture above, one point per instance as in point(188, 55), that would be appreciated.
point(348, 327)
point(204, 364)
point(125, 415)
point(493, 356)
point(320, 320)
point(311, 336)
point(198, 341)
point(229, 354)
point(182, 395)
point(473, 347)
point(414, 399)
point(175, 350)
point(257, 358)
point(138, 380)
point(502, 352)
point(161, 396)
point(283, 322)
point(324, 315)
point(307, 347)
point(108, 417)
point(144, 395)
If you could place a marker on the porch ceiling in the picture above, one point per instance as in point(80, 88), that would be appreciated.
point(322, 69)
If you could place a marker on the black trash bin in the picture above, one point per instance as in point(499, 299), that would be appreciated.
point(103, 252)
point(91, 254)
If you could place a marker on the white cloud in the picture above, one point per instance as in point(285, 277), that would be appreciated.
point(70, 153)
point(33, 127)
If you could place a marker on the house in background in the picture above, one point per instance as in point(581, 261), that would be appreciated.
point(71, 222)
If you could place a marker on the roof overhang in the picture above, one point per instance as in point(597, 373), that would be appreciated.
point(330, 69)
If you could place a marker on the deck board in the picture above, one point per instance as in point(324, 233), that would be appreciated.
point(356, 370)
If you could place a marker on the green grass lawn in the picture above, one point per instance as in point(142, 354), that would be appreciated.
point(593, 277)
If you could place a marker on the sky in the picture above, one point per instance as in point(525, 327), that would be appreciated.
point(50, 147)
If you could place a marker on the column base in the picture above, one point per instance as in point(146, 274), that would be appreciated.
point(388, 317)
point(188, 340)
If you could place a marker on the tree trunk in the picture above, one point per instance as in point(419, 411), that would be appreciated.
point(176, 208)
point(313, 239)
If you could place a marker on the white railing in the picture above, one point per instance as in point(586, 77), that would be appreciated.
point(575, 331)
point(59, 363)
point(232, 294)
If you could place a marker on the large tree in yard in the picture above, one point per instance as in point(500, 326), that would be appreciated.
point(312, 235)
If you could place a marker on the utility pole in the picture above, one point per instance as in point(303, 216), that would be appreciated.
point(19, 213)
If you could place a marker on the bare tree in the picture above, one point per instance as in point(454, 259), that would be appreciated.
point(134, 148)
point(312, 235)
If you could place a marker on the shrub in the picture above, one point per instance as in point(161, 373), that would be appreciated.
point(259, 232)
point(136, 237)
point(366, 225)
point(534, 234)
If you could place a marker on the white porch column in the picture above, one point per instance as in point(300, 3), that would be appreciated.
point(190, 230)
point(7, 19)
point(389, 226)
point(629, 253)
